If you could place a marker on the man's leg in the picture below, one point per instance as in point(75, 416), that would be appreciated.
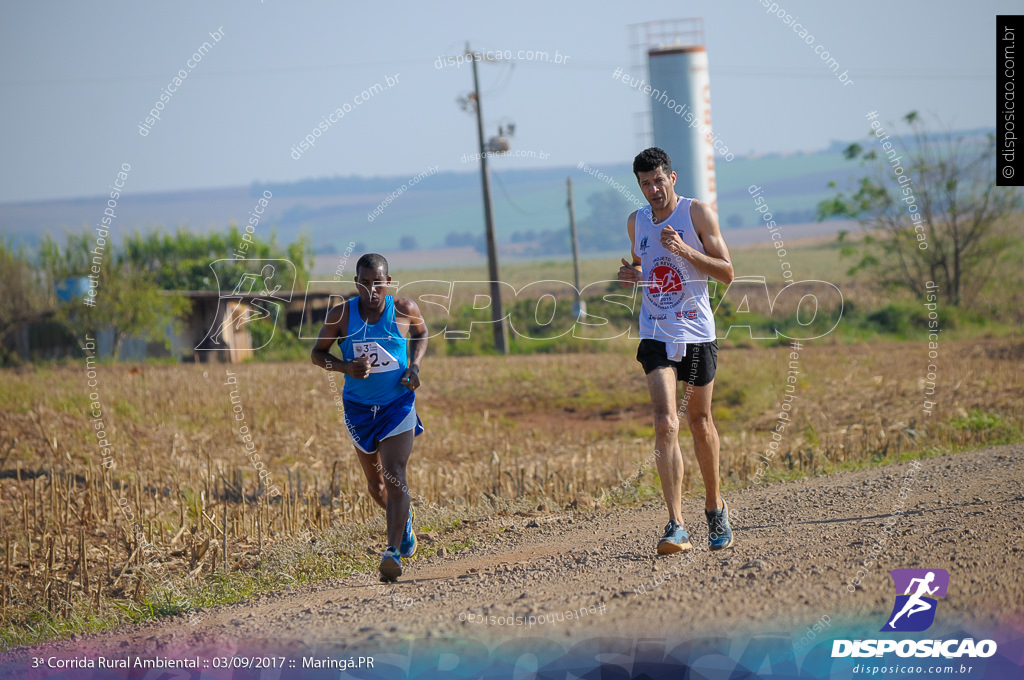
point(668, 456)
point(372, 470)
point(394, 455)
point(705, 441)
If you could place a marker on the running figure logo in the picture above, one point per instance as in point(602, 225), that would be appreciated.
point(259, 289)
point(665, 280)
point(665, 287)
point(914, 610)
point(253, 281)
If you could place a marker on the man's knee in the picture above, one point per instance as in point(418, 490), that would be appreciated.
point(700, 423)
point(666, 423)
point(394, 476)
point(376, 488)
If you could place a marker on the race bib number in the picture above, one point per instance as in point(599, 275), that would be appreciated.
point(380, 359)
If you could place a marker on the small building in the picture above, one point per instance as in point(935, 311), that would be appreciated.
point(217, 327)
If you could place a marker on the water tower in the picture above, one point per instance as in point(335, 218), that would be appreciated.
point(676, 61)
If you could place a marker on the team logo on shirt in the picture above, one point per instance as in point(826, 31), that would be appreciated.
point(643, 246)
point(665, 284)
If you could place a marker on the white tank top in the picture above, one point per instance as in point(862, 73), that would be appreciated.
point(675, 305)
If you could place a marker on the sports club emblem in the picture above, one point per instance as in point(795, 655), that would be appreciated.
point(914, 610)
point(643, 245)
point(665, 284)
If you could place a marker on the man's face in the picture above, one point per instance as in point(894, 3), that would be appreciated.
point(657, 187)
point(372, 284)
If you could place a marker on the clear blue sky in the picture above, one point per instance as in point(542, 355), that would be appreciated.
point(77, 78)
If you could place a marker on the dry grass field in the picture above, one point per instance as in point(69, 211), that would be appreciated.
point(179, 519)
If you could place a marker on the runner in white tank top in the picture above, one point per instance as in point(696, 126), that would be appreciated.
point(675, 307)
point(676, 246)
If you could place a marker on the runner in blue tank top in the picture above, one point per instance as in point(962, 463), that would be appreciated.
point(381, 375)
point(676, 246)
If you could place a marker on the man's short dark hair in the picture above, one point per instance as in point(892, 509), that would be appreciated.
point(372, 261)
point(650, 160)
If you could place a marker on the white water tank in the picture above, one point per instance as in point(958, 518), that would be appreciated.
point(681, 116)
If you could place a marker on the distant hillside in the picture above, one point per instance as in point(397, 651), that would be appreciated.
point(445, 210)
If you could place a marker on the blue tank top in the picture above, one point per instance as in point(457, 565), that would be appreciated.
point(385, 346)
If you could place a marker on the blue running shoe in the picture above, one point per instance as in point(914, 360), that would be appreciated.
point(675, 539)
point(719, 532)
point(390, 566)
point(408, 546)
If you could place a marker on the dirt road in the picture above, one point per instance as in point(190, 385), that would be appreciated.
point(799, 546)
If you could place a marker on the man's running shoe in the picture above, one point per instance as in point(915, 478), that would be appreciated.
point(408, 546)
point(390, 566)
point(675, 539)
point(719, 532)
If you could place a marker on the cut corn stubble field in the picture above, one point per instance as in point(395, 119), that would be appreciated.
point(180, 519)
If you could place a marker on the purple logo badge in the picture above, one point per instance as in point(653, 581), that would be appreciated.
point(916, 593)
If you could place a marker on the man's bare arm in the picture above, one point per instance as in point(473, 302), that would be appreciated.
point(630, 274)
point(716, 262)
point(417, 329)
point(330, 332)
point(410, 311)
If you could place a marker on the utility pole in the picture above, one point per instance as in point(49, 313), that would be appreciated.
point(497, 313)
point(581, 306)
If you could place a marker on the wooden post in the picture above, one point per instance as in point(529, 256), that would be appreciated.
point(580, 305)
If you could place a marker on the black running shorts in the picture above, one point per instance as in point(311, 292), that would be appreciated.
point(697, 368)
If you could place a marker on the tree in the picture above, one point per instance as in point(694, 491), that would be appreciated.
point(604, 227)
point(181, 260)
point(931, 210)
point(24, 291)
point(456, 239)
point(133, 305)
point(59, 263)
point(128, 300)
